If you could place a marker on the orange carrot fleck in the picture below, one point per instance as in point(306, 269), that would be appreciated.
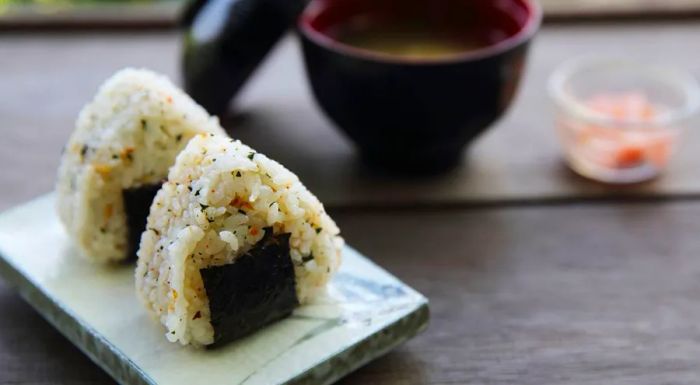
point(240, 203)
point(126, 153)
point(103, 169)
point(109, 210)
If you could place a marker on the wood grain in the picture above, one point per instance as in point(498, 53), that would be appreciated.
point(561, 295)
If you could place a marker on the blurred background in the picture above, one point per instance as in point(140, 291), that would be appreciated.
point(164, 13)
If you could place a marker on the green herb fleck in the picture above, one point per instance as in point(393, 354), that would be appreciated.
point(251, 155)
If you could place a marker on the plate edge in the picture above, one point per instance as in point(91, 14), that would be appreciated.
point(123, 370)
point(415, 322)
point(92, 344)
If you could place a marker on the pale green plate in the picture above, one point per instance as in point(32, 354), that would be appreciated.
point(366, 313)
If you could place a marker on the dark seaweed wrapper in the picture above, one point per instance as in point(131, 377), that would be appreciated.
point(254, 291)
point(137, 205)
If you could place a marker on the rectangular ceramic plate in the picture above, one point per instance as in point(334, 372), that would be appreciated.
point(366, 313)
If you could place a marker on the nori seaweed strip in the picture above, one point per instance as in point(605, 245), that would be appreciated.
point(254, 291)
point(137, 203)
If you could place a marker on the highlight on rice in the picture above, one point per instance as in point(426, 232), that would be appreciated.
point(233, 242)
point(125, 140)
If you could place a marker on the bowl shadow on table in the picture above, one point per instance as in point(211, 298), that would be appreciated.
point(262, 130)
point(319, 154)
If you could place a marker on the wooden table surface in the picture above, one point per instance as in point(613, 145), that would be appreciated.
point(585, 292)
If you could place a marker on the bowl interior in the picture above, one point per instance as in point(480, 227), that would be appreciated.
point(473, 28)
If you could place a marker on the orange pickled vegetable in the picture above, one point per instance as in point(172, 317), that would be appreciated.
point(629, 157)
point(618, 147)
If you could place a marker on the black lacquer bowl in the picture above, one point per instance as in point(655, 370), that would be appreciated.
point(416, 114)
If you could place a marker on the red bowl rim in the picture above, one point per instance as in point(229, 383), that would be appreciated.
point(526, 33)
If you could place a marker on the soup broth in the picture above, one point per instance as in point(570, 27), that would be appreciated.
point(412, 40)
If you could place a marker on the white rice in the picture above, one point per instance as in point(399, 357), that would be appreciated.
point(219, 197)
point(127, 137)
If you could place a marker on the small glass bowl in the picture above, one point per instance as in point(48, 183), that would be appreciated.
point(620, 120)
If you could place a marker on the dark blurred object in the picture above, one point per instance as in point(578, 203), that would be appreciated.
point(225, 41)
point(416, 115)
